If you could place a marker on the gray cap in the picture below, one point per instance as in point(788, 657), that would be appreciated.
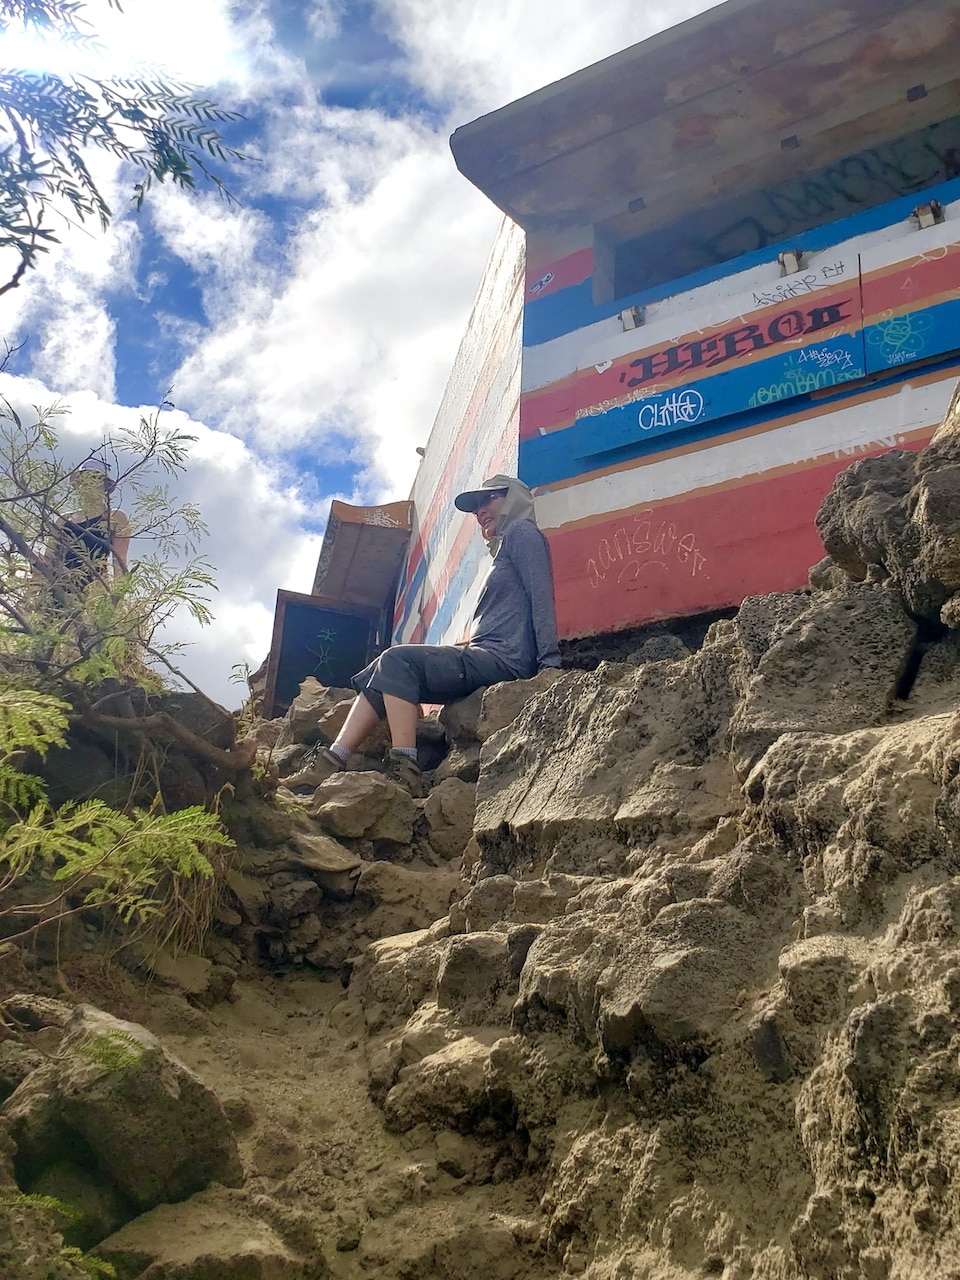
point(96, 464)
point(471, 499)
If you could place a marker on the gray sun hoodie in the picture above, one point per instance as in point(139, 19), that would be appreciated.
point(515, 616)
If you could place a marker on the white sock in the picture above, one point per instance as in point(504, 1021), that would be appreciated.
point(409, 752)
point(342, 754)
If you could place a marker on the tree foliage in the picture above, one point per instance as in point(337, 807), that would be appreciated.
point(52, 625)
point(94, 856)
point(47, 122)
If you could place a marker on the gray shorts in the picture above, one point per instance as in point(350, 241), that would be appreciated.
point(429, 673)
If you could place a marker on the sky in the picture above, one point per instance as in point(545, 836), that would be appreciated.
point(304, 331)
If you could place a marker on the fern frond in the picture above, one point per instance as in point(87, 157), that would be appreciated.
point(31, 721)
point(18, 791)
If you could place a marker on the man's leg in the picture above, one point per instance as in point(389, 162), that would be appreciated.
point(361, 719)
point(402, 718)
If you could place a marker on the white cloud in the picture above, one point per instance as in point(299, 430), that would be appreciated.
point(324, 18)
point(352, 339)
point(478, 57)
point(186, 40)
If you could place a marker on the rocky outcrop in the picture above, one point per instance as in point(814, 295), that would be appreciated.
point(898, 516)
point(703, 980)
point(218, 1232)
point(115, 1107)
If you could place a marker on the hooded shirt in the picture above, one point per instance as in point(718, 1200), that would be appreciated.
point(515, 618)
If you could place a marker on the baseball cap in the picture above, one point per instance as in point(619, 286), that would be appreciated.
point(471, 499)
point(96, 464)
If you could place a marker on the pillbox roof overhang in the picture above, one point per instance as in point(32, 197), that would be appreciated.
point(471, 499)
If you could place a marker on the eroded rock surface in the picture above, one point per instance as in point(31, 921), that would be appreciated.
point(114, 1103)
point(703, 976)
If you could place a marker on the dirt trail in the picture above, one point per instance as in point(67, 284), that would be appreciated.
point(286, 1058)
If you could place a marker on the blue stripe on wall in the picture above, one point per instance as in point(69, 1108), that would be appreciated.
point(913, 336)
point(561, 455)
point(541, 465)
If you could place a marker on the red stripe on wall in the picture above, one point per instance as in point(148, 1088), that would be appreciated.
point(693, 554)
point(544, 277)
point(929, 278)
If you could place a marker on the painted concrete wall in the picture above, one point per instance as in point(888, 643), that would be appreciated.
point(475, 435)
point(679, 465)
point(684, 402)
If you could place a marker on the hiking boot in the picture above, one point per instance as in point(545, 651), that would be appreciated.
point(321, 765)
point(404, 772)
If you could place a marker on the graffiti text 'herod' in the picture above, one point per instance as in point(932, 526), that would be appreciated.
point(706, 352)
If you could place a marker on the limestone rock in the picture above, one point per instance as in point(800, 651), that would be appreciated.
point(486, 903)
point(17, 1060)
point(99, 1207)
point(762, 620)
point(460, 762)
point(313, 702)
point(459, 719)
point(868, 803)
point(364, 805)
point(475, 979)
point(402, 899)
point(428, 1030)
point(150, 1125)
point(334, 868)
point(537, 901)
point(248, 892)
point(818, 974)
point(394, 976)
point(835, 666)
point(863, 517)
point(218, 1232)
point(674, 982)
point(194, 975)
point(290, 899)
point(448, 813)
point(560, 976)
point(503, 702)
point(609, 755)
point(900, 512)
point(446, 1090)
point(487, 1250)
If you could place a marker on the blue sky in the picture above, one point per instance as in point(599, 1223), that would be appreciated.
point(307, 330)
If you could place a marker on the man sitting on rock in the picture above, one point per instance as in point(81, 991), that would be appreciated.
point(513, 636)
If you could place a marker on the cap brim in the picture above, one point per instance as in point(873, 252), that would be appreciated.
point(470, 500)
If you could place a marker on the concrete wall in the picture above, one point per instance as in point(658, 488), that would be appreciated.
point(679, 465)
point(475, 435)
point(685, 399)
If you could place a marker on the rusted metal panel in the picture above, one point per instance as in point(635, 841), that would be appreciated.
point(363, 549)
point(316, 636)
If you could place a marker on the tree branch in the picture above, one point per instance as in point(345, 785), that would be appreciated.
point(235, 761)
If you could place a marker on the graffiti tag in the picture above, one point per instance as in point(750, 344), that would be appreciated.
point(826, 357)
point(739, 341)
point(674, 409)
point(381, 519)
point(629, 551)
point(900, 338)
